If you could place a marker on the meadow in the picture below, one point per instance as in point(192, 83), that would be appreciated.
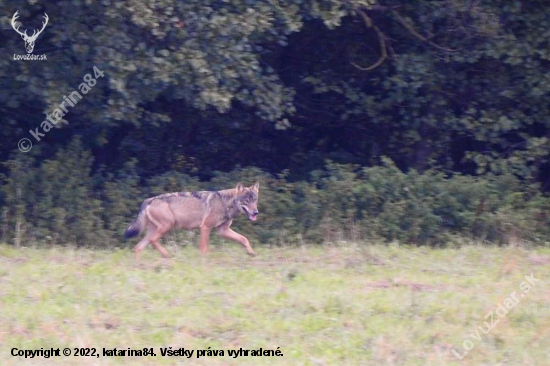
point(339, 304)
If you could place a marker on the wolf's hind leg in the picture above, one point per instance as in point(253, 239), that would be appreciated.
point(151, 230)
point(141, 245)
point(162, 226)
point(160, 248)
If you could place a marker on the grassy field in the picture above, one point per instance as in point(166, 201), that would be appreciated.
point(352, 304)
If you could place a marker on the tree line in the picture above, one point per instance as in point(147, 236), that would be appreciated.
point(330, 102)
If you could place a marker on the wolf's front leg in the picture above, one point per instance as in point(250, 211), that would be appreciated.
point(205, 235)
point(227, 232)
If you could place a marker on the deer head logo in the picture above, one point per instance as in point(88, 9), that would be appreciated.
point(29, 41)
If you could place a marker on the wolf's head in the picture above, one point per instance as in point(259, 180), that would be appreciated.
point(247, 200)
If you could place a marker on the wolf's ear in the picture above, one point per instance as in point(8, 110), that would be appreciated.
point(240, 187)
point(256, 187)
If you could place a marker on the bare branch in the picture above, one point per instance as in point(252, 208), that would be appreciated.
point(381, 41)
point(382, 8)
point(411, 30)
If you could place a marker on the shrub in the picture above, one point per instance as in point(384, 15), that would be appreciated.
point(59, 201)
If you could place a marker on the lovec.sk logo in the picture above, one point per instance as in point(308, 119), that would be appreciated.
point(29, 40)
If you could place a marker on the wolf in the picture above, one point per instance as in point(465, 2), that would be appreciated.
point(204, 210)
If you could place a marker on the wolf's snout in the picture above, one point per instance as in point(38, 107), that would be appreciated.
point(255, 212)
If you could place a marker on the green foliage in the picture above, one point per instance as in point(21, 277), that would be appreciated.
point(119, 199)
point(479, 108)
point(196, 90)
point(60, 201)
point(55, 200)
point(230, 77)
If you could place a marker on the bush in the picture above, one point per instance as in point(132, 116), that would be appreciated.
point(59, 201)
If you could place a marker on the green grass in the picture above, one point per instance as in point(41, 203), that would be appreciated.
point(335, 305)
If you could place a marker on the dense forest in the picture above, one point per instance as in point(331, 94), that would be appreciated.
point(420, 121)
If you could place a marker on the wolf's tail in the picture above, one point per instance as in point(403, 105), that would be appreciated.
point(138, 225)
